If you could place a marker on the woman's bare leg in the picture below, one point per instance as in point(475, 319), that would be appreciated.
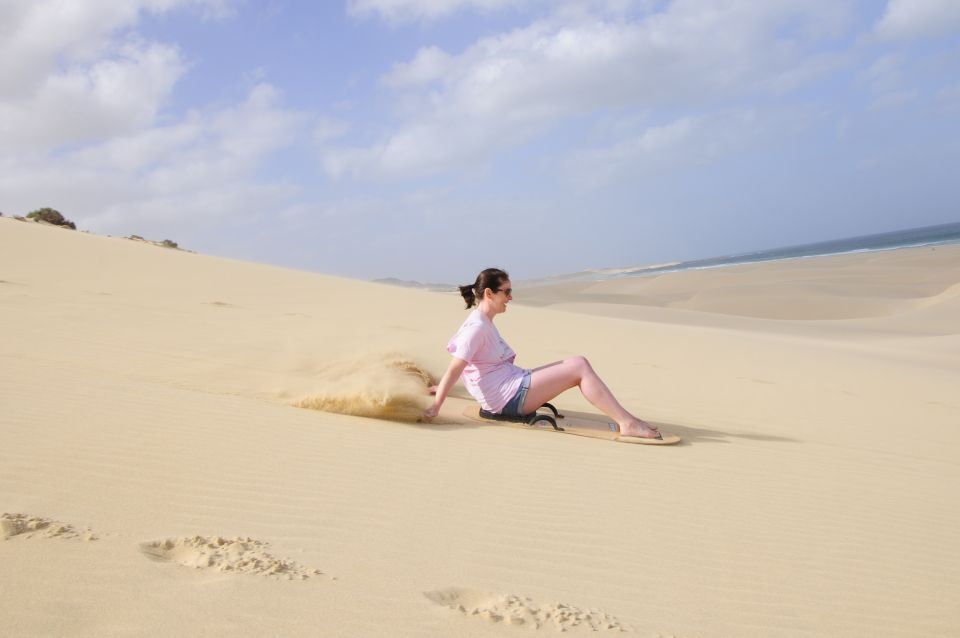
point(548, 381)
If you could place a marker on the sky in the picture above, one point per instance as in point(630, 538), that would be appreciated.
point(429, 139)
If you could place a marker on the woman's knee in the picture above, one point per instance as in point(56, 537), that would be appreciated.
point(580, 364)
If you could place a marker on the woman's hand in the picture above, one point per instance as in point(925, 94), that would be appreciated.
point(431, 412)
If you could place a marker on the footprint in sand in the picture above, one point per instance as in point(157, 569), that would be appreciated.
point(26, 526)
point(511, 609)
point(236, 555)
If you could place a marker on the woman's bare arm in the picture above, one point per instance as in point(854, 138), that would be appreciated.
point(443, 388)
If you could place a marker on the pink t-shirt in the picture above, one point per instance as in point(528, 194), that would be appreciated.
point(490, 376)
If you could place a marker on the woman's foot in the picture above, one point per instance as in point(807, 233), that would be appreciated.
point(640, 429)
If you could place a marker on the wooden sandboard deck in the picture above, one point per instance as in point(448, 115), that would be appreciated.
point(595, 426)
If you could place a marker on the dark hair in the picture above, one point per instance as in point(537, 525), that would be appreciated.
point(490, 278)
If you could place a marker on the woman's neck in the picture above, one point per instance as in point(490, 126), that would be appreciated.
point(486, 310)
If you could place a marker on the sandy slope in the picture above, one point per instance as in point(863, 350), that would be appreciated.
point(157, 481)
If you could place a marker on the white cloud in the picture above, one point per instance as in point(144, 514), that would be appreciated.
point(81, 96)
point(37, 36)
point(201, 168)
point(810, 69)
point(110, 96)
point(886, 72)
point(426, 11)
point(656, 140)
point(506, 89)
point(919, 18)
point(329, 128)
point(894, 100)
point(684, 142)
point(887, 80)
point(948, 98)
point(428, 65)
point(72, 72)
point(398, 11)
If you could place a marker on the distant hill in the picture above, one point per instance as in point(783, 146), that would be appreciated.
point(406, 283)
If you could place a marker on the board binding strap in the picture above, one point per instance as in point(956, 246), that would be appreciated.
point(589, 425)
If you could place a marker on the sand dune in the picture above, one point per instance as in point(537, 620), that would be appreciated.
point(147, 399)
point(846, 286)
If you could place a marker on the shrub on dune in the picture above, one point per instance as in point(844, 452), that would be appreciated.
point(51, 216)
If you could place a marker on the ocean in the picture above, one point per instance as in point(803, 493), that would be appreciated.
point(924, 236)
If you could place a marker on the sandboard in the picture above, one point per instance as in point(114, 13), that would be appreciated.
point(580, 424)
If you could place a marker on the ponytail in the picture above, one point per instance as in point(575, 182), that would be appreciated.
point(469, 296)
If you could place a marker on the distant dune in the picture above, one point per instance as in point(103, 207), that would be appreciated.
point(407, 283)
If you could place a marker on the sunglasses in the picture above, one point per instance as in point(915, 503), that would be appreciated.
point(508, 291)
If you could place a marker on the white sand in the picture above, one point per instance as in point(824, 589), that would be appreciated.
point(156, 479)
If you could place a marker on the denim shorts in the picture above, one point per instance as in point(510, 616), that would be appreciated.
point(514, 405)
